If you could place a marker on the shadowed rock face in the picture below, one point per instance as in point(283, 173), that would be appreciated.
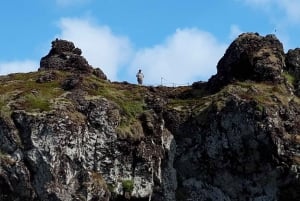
point(293, 62)
point(293, 67)
point(75, 153)
point(250, 57)
point(64, 56)
point(109, 141)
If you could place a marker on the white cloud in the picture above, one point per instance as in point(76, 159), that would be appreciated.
point(18, 66)
point(186, 56)
point(99, 45)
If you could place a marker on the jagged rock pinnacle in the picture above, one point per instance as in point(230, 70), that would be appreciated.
point(65, 56)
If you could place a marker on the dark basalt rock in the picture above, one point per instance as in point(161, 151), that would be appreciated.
point(71, 82)
point(47, 77)
point(65, 56)
point(293, 67)
point(250, 57)
point(119, 141)
point(293, 62)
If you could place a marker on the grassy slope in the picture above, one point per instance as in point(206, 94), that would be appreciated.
point(22, 92)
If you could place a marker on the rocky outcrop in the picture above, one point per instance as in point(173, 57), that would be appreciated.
point(240, 152)
point(293, 67)
point(75, 154)
point(65, 137)
point(65, 56)
point(250, 57)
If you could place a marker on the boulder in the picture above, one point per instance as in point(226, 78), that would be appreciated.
point(65, 56)
point(250, 57)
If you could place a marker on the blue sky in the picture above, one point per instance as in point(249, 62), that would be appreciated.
point(174, 42)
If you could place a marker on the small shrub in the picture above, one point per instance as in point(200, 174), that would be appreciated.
point(128, 185)
point(260, 107)
point(132, 108)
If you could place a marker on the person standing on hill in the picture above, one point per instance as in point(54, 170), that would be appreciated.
point(140, 77)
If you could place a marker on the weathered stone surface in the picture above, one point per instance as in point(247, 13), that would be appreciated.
point(64, 56)
point(293, 67)
point(72, 82)
point(250, 57)
point(47, 77)
point(293, 61)
point(74, 153)
point(237, 153)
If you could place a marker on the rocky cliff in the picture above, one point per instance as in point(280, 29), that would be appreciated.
point(67, 133)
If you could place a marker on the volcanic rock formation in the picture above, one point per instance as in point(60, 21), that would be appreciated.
point(65, 56)
point(250, 57)
point(69, 137)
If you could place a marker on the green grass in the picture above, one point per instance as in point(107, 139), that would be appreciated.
point(131, 108)
point(129, 98)
point(39, 103)
point(4, 109)
point(128, 185)
point(264, 93)
point(132, 130)
point(289, 77)
point(21, 91)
